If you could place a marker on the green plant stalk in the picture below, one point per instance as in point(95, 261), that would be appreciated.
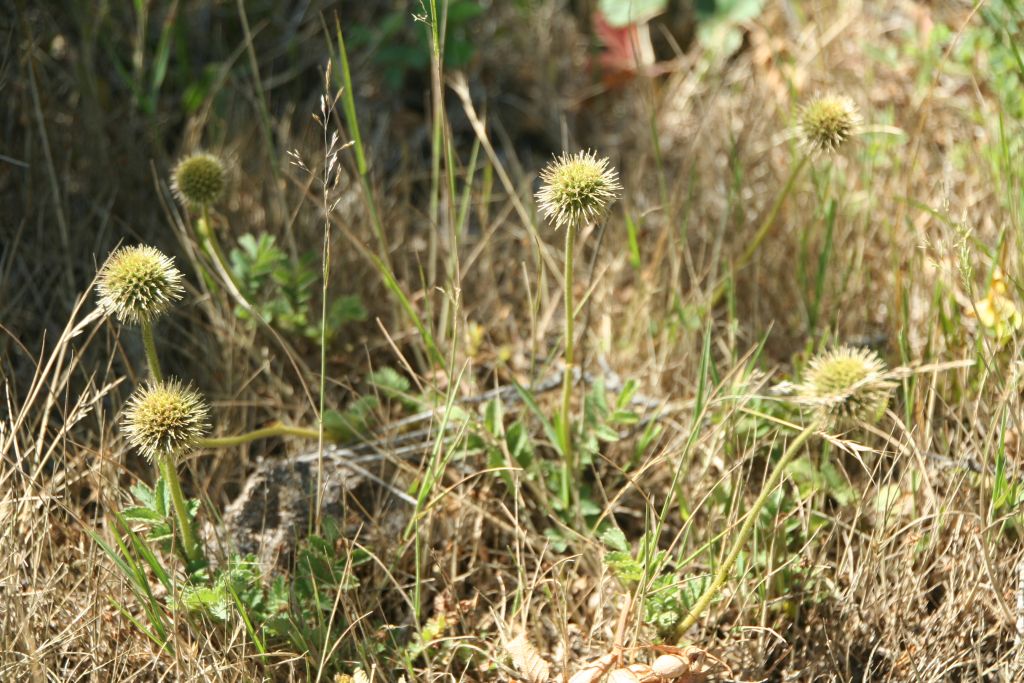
point(765, 227)
point(149, 343)
point(208, 237)
point(748, 526)
point(565, 422)
point(189, 544)
point(264, 433)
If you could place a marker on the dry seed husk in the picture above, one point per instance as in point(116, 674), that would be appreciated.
point(644, 672)
point(671, 666)
point(624, 675)
point(593, 671)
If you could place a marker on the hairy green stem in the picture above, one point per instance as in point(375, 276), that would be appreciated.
point(765, 227)
point(722, 575)
point(189, 543)
point(151, 357)
point(264, 433)
point(565, 423)
point(208, 237)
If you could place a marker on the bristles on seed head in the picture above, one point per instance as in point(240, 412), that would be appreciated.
point(198, 180)
point(138, 284)
point(847, 385)
point(165, 419)
point(827, 122)
point(576, 188)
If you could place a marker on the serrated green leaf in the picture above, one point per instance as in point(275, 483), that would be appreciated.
point(606, 433)
point(520, 445)
point(346, 309)
point(144, 495)
point(624, 566)
point(557, 539)
point(615, 539)
point(141, 514)
point(390, 382)
point(161, 498)
point(626, 395)
point(493, 421)
point(354, 421)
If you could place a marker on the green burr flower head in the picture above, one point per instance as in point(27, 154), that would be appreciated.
point(198, 180)
point(165, 419)
point(847, 385)
point(576, 188)
point(138, 284)
point(827, 122)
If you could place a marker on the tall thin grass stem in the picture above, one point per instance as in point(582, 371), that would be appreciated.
point(326, 273)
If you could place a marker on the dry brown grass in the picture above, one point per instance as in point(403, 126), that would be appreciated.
point(922, 588)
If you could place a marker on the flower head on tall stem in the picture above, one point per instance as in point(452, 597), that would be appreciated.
point(199, 180)
point(165, 419)
point(138, 284)
point(827, 122)
point(577, 188)
point(847, 385)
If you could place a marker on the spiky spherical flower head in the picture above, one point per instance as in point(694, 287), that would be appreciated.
point(847, 385)
point(165, 419)
point(198, 180)
point(827, 122)
point(576, 188)
point(138, 284)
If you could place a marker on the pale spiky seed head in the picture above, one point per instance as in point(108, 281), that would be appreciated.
point(847, 385)
point(165, 419)
point(827, 122)
point(576, 188)
point(138, 284)
point(198, 180)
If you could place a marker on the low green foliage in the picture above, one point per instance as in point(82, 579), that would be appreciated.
point(297, 609)
point(282, 291)
point(666, 597)
point(155, 513)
